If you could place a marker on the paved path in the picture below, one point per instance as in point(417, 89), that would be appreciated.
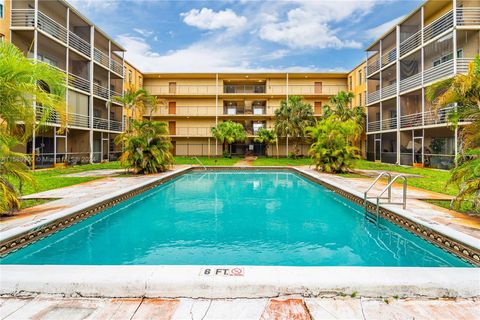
point(97, 173)
point(245, 162)
point(48, 307)
point(415, 206)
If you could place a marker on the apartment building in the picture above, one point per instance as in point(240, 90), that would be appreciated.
point(53, 32)
point(436, 41)
point(133, 81)
point(192, 104)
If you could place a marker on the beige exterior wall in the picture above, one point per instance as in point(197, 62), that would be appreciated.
point(357, 84)
point(133, 80)
point(5, 21)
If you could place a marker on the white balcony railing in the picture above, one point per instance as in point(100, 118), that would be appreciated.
point(51, 27)
point(373, 97)
point(427, 118)
point(116, 126)
point(100, 57)
point(23, 18)
point(438, 26)
point(79, 83)
point(412, 42)
point(389, 56)
point(78, 120)
point(100, 91)
point(100, 123)
point(462, 65)
point(389, 124)
point(114, 93)
point(324, 89)
point(116, 67)
point(411, 82)
point(79, 44)
point(373, 67)
point(192, 132)
point(373, 126)
point(468, 16)
point(389, 90)
point(438, 72)
point(52, 117)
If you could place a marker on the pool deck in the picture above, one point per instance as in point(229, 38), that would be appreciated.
point(294, 308)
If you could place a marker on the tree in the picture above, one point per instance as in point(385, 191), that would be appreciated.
point(229, 132)
point(147, 147)
point(331, 150)
point(265, 136)
point(133, 99)
point(464, 91)
point(292, 118)
point(23, 82)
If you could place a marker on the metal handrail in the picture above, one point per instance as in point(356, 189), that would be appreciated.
point(198, 160)
point(365, 197)
point(389, 188)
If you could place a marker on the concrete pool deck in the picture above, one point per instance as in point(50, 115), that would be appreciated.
point(188, 281)
point(295, 308)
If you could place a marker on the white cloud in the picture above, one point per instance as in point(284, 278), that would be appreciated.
point(309, 24)
point(87, 5)
point(207, 19)
point(143, 32)
point(377, 32)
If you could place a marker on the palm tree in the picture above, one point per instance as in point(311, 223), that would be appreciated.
point(331, 150)
point(292, 118)
point(265, 136)
point(133, 99)
point(23, 82)
point(147, 147)
point(229, 132)
point(464, 91)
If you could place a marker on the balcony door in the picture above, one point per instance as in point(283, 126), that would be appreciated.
point(172, 128)
point(378, 148)
point(318, 107)
point(172, 87)
point(318, 87)
point(172, 107)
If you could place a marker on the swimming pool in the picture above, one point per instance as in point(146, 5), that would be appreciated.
point(274, 218)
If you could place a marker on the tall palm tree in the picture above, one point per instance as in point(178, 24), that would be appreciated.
point(23, 82)
point(292, 118)
point(229, 132)
point(464, 91)
point(147, 147)
point(133, 99)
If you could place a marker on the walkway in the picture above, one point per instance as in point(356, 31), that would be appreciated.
point(48, 307)
point(245, 162)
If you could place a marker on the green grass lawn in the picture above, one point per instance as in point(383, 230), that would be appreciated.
point(207, 161)
point(282, 162)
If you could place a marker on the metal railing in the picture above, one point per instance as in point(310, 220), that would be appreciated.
point(389, 124)
point(51, 27)
point(100, 91)
point(100, 57)
point(116, 67)
point(48, 116)
point(373, 67)
point(389, 189)
point(293, 89)
point(116, 125)
point(193, 131)
point(247, 88)
point(79, 44)
point(389, 90)
point(440, 71)
point(365, 193)
point(411, 82)
point(373, 97)
point(389, 56)
point(438, 26)
point(412, 42)
point(462, 65)
point(373, 126)
point(78, 82)
point(114, 93)
point(23, 18)
point(431, 117)
point(468, 16)
point(78, 120)
point(100, 123)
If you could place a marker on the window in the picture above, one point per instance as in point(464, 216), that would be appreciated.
point(140, 84)
point(130, 76)
point(359, 77)
point(359, 99)
point(2, 37)
point(365, 97)
point(1, 14)
point(365, 73)
point(350, 84)
point(460, 53)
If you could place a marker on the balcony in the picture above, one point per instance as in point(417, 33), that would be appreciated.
point(23, 18)
point(78, 120)
point(192, 132)
point(373, 67)
point(53, 118)
point(426, 118)
point(438, 26)
point(412, 42)
point(468, 16)
point(79, 44)
point(438, 72)
point(51, 27)
point(244, 88)
point(100, 91)
point(373, 126)
point(101, 58)
point(116, 67)
point(116, 126)
point(462, 65)
point(115, 93)
point(389, 91)
point(323, 89)
point(100, 123)
point(389, 56)
point(78, 83)
point(182, 89)
point(373, 97)
point(411, 82)
point(389, 124)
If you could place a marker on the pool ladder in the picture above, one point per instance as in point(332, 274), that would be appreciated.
point(389, 194)
point(200, 162)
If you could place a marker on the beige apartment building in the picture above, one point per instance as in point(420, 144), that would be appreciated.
point(192, 104)
point(436, 41)
point(53, 32)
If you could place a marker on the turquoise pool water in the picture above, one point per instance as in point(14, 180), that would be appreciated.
point(235, 218)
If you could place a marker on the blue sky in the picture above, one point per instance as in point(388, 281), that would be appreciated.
point(231, 36)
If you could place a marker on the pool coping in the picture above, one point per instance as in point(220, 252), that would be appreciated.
point(167, 281)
